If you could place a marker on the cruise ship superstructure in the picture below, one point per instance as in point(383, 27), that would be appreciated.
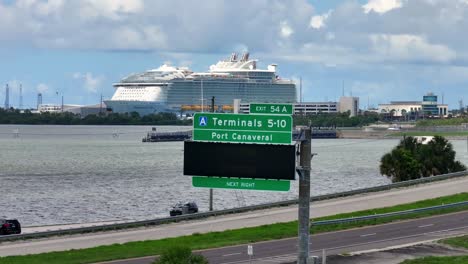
point(178, 89)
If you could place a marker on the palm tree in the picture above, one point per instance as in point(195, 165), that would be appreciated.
point(412, 160)
point(400, 165)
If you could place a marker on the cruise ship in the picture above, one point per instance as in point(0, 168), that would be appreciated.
point(180, 90)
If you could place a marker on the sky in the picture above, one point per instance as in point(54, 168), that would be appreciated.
point(378, 50)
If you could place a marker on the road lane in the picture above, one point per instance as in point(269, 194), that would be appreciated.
point(346, 241)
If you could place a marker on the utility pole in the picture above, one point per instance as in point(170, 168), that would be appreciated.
point(211, 189)
point(304, 196)
point(62, 103)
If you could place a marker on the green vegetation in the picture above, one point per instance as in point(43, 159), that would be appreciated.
point(15, 117)
point(429, 133)
point(179, 255)
point(335, 120)
point(229, 237)
point(456, 242)
point(442, 122)
point(438, 260)
point(412, 160)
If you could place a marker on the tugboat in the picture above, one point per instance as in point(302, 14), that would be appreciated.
point(154, 136)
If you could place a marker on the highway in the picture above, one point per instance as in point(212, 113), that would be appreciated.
point(354, 240)
point(248, 219)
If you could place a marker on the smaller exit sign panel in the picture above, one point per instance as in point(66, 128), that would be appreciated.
point(271, 109)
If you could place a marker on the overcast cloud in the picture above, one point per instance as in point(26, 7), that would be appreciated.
point(377, 34)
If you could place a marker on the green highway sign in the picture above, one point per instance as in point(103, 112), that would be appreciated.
point(271, 109)
point(239, 128)
point(242, 136)
point(245, 184)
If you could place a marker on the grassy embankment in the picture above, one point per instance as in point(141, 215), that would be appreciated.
point(429, 133)
point(461, 242)
point(229, 237)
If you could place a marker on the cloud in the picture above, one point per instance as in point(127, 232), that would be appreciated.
point(410, 47)
point(381, 6)
point(90, 83)
point(285, 29)
point(380, 31)
point(319, 20)
point(42, 88)
point(110, 9)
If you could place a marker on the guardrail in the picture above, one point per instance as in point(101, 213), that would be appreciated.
point(377, 216)
point(166, 220)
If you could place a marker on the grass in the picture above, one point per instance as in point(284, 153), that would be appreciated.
point(226, 238)
point(456, 242)
point(428, 133)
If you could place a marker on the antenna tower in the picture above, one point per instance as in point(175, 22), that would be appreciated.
point(39, 100)
point(21, 97)
point(7, 97)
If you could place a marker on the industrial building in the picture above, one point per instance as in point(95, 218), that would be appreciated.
point(82, 110)
point(345, 104)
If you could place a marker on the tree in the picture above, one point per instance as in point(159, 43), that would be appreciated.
point(400, 165)
point(411, 160)
point(180, 255)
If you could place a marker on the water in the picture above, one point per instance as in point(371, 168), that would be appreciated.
point(76, 174)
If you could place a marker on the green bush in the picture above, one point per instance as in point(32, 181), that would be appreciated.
point(180, 255)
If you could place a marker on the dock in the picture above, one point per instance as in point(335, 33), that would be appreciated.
point(155, 136)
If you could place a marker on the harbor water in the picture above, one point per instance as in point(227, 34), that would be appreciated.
point(77, 174)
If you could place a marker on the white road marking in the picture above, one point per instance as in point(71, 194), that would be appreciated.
point(232, 254)
point(366, 235)
point(421, 226)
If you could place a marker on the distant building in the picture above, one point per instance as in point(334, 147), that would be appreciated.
point(428, 106)
point(349, 103)
point(82, 110)
point(346, 104)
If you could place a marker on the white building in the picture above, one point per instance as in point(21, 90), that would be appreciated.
point(403, 108)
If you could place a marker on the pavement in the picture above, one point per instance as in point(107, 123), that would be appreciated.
point(387, 243)
point(248, 219)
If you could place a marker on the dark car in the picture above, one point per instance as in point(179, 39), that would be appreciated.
point(184, 208)
point(9, 227)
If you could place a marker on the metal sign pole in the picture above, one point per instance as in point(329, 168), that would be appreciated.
point(304, 197)
point(211, 190)
point(250, 252)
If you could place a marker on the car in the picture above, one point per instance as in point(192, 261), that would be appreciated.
point(9, 227)
point(184, 208)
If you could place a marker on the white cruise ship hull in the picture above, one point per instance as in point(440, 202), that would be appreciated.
point(141, 107)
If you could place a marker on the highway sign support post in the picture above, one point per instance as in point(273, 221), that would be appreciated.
point(211, 189)
point(304, 197)
point(250, 252)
